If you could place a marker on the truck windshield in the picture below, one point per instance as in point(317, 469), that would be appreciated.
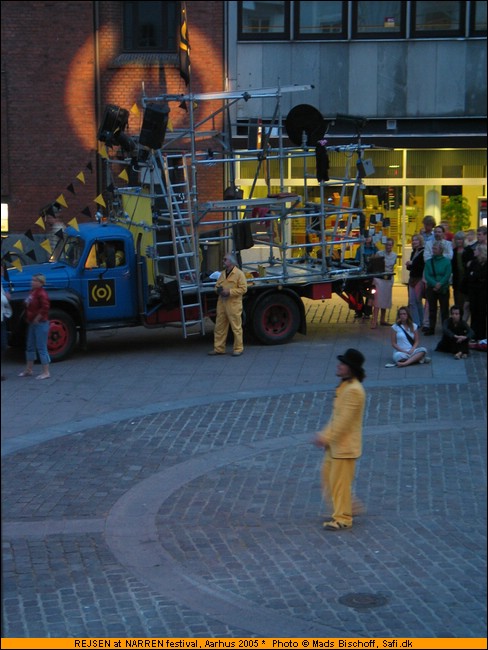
point(71, 252)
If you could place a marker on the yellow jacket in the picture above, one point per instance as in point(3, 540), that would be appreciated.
point(236, 282)
point(343, 433)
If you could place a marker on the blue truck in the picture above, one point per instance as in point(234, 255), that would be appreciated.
point(100, 278)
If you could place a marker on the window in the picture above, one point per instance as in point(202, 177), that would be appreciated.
point(269, 20)
point(430, 19)
point(150, 26)
point(318, 20)
point(379, 19)
point(362, 19)
point(478, 18)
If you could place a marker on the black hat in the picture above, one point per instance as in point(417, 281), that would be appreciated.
point(352, 358)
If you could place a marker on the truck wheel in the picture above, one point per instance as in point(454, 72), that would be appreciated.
point(61, 339)
point(276, 319)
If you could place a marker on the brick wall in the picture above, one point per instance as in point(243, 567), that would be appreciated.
point(50, 115)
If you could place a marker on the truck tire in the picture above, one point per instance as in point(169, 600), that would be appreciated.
point(275, 319)
point(61, 339)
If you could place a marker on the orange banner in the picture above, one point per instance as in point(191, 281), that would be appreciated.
point(245, 644)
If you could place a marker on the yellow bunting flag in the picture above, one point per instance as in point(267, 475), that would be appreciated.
point(100, 200)
point(40, 223)
point(124, 175)
point(47, 246)
point(73, 223)
point(134, 110)
point(102, 150)
point(81, 177)
point(18, 245)
point(17, 264)
point(170, 125)
point(62, 201)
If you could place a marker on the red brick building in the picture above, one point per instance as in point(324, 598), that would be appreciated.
point(62, 63)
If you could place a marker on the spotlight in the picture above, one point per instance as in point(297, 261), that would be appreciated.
point(114, 122)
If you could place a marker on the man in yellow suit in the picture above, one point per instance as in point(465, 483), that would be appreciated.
point(342, 440)
point(230, 286)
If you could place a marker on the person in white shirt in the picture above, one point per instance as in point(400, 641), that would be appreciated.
point(405, 342)
point(384, 285)
point(439, 235)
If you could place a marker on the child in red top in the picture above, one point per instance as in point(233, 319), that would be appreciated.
point(37, 315)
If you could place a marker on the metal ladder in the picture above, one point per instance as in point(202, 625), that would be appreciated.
point(184, 245)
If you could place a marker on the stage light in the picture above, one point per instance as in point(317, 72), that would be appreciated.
point(114, 123)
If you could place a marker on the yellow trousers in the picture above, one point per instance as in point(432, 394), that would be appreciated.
point(337, 478)
point(229, 312)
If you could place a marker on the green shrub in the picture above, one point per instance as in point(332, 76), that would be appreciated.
point(457, 213)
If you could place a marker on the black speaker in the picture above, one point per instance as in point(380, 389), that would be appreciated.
point(242, 235)
point(154, 126)
point(114, 122)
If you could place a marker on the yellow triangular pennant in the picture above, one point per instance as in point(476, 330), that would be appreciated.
point(81, 177)
point(18, 244)
point(40, 223)
point(134, 110)
point(102, 150)
point(100, 200)
point(18, 265)
point(124, 175)
point(47, 246)
point(73, 223)
point(170, 125)
point(62, 201)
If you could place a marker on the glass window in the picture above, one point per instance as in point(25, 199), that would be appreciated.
point(150, 26)
point(379, 19)
point(264, 20)
point(320, 20)
point(438, 18)
point(478, 18)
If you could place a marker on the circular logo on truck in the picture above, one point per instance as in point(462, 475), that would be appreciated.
point(101, 294)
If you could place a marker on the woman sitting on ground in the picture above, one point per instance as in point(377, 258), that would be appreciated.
point(405, 342)
point(456, 334)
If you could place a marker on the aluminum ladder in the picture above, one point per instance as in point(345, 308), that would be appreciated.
point(176, 192)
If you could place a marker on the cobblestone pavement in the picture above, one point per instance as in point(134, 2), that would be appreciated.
point(152, 491)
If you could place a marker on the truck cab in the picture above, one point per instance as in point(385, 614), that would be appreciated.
point(91, 282)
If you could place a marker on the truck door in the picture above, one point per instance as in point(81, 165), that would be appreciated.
point(108, 284)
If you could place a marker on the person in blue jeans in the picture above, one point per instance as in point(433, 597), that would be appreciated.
point(37, 314)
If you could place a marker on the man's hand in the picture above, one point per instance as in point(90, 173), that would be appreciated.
point(318, 442)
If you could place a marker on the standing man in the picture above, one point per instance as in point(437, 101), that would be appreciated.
point(439, 235)
point(230, 286)
point(427, 230)
point(342, 440)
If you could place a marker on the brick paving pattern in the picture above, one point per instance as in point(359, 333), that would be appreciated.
point(199, 515)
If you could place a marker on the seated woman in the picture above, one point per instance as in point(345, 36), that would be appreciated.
point(456, 335)
point(405, 342)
